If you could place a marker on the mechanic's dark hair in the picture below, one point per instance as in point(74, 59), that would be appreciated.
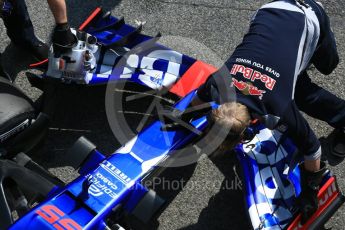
point(233, 117)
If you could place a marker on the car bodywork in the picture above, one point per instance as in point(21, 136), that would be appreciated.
point(106, 185)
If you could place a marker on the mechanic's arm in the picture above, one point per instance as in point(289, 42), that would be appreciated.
point(312, 172)
point(62, 37)
point(303, 136)
point(326, 56)
point(58, 8)
point(217, 88)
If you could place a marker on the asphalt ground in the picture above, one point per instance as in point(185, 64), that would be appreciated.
point(205, 195)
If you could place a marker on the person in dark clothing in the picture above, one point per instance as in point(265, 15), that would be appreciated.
point(266, 78)
point(3, 73)
point(20, 29)
point(21, 32)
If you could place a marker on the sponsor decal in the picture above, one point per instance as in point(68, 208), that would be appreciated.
point(94, 191)
point(102, 185)
point(253, 75)
point(168, 60)
point(57, 218)
point(157, 79)
point(248, 88)
point(240, 85)
point(114, 171)
point(258, 65)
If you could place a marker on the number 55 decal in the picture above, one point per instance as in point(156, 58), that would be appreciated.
point(57, 219)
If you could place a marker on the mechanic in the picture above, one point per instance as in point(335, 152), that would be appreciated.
point(21, 32)
point(20, 29)
point(268, 74)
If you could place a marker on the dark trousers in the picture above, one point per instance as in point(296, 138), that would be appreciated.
point(319, 103)
point(1, 68)
point(19, 26)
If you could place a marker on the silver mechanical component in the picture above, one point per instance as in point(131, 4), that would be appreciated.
point(77, 63)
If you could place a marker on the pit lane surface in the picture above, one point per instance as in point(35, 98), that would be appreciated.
point(202, 196)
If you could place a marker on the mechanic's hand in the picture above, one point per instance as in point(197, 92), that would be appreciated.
point(310, 182)
point(63, 39)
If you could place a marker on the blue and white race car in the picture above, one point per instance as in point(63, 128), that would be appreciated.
point(110, 187)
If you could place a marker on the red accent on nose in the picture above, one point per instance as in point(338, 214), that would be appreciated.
point(194, 77)
point(90, 18)
point(33, 65)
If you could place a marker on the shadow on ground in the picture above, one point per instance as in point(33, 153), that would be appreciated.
point(79, 10)
point(227, 207)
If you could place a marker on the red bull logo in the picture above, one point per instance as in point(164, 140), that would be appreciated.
point(253, 75)
point(248, 88)
point(254, 91)
point(240, 85)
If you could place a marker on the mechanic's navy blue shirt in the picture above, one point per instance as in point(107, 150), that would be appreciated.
point(284, 38)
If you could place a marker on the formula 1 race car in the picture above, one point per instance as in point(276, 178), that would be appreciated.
point(110, 188)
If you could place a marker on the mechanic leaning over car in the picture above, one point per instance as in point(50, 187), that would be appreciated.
point(268, 74)
point(21, 32)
